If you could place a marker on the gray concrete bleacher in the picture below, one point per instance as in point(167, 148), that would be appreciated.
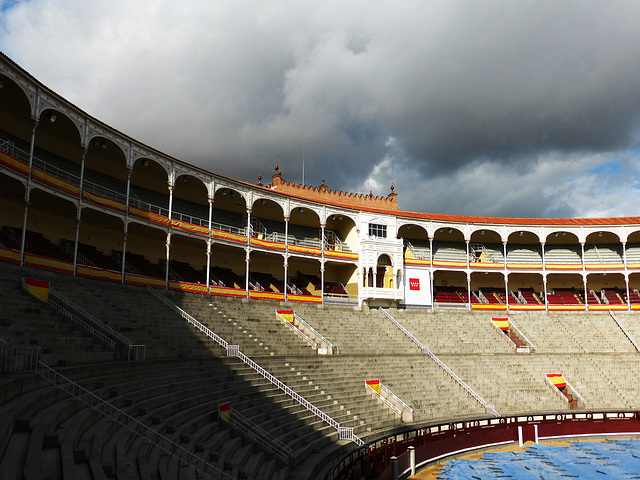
point(177, 390)
point(523, 254)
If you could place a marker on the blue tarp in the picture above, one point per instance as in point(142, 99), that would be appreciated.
point(618, 459)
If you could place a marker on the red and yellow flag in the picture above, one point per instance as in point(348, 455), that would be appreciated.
point(38, 288)
point(502, 323)
point(287, 315)
point(557, 379)
point(225, 412)
point(375, 385)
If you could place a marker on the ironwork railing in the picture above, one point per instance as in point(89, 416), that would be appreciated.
point(18, 359)
point(260, 436)
point(488, 408)
point(346, 433)
point(624, 330)
point(318, 337)
point(395, 403)
point(130, 423)
point(101, 325)
point(74, 318)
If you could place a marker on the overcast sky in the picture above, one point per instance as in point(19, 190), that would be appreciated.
point(507, 108)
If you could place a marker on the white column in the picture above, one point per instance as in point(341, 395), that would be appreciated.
point(468, 281)
point(286, 266)
point(125, 231)
point(27, 193)
point(322, 278)
point(209, 242)
point(168, 242)
point(83, 151)
point(246, 279)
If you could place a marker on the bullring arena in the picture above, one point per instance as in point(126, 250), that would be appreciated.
point(161, 321)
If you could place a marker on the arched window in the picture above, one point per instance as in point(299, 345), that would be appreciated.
point(384, 272)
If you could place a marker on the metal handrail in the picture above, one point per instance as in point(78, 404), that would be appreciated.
point(522, 335)
point(386, 400)
point(422, 347)
point(382, 399)
point(321, 337)
point(259, 435)
point(624, 330)
point(96, 321)
point(257, 368)
point(313, 330)
point(128, 422)
point(442, 365)
point(74, 318)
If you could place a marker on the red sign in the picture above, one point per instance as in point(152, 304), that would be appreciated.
point(414, 284)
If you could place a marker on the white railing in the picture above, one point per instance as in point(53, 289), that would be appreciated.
point(570, 389)
point(80, 258)
point(120, 197)
point(423, 348)
point(74, 318)
point(318, 338)
point(257, 368)
point(18, 359)
point(102, 326)
point(130, 423)
point(219, 340)
point(528, 343)
point(624, 330)
point(394, 402)
point(470, 391)
point(88, 316)
point(506, 337)
point(260, 436)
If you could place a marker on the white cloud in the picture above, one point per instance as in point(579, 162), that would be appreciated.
point(490, 105)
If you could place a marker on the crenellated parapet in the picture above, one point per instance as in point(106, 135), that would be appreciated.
point(322, 193)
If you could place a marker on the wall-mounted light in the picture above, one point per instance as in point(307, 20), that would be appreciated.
point(185, 179)
point(1, 84)
point(145, 163)
point(52, 117)
point(521, 233)
point(481, 232)
point(599, 234)
point(450, 231)
point(301, 210)
point(225, 192)
point(263, 201)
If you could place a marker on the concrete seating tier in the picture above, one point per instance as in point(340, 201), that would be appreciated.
point(522, 254)
point(177, 390)
point(136, 314)
point(26, 322)
point(560, 332)
point(454, 331)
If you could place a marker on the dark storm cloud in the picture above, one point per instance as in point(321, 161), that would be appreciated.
point(442, 97)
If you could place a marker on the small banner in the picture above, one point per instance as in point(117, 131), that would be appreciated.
point(225, 412)
point(557, 379)
point(287, 315)
point(502, 323)
point(38, 288)
point(374, 385)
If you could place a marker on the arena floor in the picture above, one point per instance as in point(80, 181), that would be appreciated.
point(591, 459)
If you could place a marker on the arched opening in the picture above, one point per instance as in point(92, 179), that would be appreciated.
point(384, 272)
